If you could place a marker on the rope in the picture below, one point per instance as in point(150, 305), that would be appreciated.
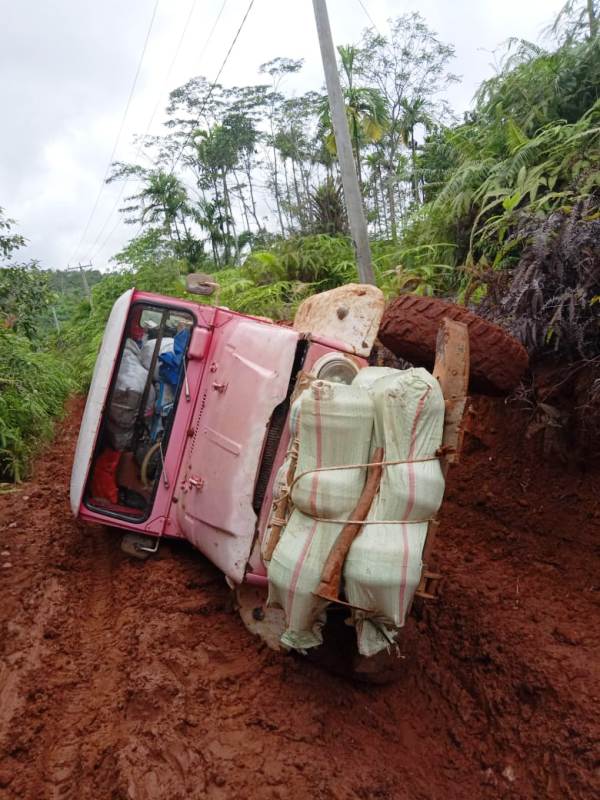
point(279, 522)
point(359, 466)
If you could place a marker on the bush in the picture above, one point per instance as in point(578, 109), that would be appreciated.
point(33, 388)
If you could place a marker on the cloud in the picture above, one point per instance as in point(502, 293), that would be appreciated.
point(68, 66)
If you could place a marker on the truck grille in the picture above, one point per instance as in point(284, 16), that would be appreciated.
point(276, 426)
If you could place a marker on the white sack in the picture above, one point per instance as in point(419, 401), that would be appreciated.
point(147, 351)
point(294, 575)
point(127, 396)
point(336, 423)
point(368, 375)
point(383, 567)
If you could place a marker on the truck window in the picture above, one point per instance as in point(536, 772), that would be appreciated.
point(137, 419)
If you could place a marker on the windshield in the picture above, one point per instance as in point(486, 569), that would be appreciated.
point(138, 417)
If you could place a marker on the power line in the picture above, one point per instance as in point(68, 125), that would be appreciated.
point(120, 131)
point(206, 99)
point(214, 83)
point(370, 18)
point(203, 51)
point(148, 126)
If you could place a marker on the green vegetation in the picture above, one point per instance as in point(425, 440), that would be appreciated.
point(33, 381)
point(500, 209)
point(517, 184)
point(33, 388)
point(453, 208)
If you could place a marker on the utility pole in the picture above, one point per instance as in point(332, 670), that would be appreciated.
point(354, 206)
point(86, 287)
point(55, 318)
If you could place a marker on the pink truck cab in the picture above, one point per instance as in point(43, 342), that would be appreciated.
point(186, 420)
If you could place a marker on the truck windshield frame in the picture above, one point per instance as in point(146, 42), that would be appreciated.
point(141, 405)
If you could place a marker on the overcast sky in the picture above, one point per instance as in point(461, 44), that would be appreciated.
point(67, 68)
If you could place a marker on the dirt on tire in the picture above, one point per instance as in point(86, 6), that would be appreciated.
point(137, 680)
point(409, 329)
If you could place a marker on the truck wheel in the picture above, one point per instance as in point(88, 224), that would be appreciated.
point(339, 655)
point(409, 329)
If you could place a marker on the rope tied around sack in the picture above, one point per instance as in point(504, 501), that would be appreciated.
point(280, 522)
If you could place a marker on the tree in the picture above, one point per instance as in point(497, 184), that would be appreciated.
point(9, 242)
point(213, 218)
point(24, 298)
point(243, 137)
point(577, 20)
point(408, 64)
point(416, 112)
point(366, 111)
point(328, 209)
point(161, 199)
point(278, 69)
point(24, 291)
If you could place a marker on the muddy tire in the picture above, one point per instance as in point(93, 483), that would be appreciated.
point(409, 329)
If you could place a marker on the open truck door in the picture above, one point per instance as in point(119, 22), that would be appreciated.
point(101, 380)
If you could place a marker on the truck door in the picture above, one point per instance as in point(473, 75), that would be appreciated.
point(92, 416)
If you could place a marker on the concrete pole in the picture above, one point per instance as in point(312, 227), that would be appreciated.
point(86, 286)
point(354, 206)
point(55, 318)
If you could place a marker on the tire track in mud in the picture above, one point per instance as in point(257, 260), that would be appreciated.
point(16, 668)
point(89, 701)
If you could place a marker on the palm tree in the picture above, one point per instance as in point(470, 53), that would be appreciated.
point(164, 199)
point(329, 212)
point(212, 216)
point(415, 112)
point(366, 112)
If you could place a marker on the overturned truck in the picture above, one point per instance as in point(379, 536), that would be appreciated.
point(311, 479)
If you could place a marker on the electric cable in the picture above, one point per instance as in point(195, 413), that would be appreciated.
point(204, 48)
point(120, 131)
point(370, 18)
point(186, 24)
point(214, 83)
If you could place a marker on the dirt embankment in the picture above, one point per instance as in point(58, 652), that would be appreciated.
point(127, 680)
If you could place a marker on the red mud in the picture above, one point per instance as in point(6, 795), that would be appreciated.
point(127, 680)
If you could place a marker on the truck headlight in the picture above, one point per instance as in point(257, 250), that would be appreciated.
point(335, 368)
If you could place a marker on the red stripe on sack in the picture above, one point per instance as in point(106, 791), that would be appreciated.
point(319, 453)
point(313, 503)
point(411, 500)
point(297, 570)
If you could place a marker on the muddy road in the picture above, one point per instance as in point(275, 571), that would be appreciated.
point(121, 679)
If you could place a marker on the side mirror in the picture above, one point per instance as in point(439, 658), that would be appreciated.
point(198, 283)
